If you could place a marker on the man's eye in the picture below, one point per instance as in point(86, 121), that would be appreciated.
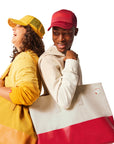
point(66, 33)
point(56, 33)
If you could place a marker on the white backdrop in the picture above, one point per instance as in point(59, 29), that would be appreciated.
point(94, 42)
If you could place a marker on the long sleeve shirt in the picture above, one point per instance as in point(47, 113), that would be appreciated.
point(24, 79)
point(60, 79)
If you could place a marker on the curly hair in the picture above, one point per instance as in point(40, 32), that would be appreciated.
point(30, 41)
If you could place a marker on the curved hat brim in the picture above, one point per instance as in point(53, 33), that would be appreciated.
point(14, 22)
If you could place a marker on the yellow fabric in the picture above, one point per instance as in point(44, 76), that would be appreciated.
point(15, 124)
point(36, 25)
point(24, 79)
point(18, 137)
point(6, 72)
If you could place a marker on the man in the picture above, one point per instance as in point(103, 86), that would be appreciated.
point(59, 65)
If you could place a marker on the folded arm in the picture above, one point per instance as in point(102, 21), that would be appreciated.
point(61, 86)
point(27, 86)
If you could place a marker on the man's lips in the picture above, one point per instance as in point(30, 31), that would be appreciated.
point(62, 46)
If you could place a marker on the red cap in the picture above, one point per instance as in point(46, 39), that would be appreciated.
point(64, 19)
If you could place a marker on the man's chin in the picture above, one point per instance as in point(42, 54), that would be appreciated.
point(62, 50)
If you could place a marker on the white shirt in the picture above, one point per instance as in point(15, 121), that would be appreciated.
point(60, 79)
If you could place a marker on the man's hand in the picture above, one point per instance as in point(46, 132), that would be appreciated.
point(71, 55)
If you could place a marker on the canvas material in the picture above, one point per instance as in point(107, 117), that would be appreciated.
point(96, 131)
point(89, 103)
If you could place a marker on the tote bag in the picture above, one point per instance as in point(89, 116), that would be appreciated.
point(89, 120)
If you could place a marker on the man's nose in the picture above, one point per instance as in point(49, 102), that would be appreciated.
point(61, 37)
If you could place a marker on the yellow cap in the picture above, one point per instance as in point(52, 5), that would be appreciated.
point(36, 25)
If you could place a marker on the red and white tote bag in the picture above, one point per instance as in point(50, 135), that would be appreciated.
point(89, 120)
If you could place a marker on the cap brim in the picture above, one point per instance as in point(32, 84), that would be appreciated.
point(61, 25)
point(49, 28)
point(14, 22)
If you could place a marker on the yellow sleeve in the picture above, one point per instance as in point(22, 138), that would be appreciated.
point(27, 88)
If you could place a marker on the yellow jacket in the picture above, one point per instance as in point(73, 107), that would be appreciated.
point(23, 78)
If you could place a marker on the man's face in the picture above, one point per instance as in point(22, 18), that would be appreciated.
point(63, 38)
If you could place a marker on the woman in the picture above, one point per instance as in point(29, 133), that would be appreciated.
point(20, 85)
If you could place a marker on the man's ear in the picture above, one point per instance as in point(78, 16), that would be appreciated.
point(76, 31)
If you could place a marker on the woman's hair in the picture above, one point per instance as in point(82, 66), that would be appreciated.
point(30, 41)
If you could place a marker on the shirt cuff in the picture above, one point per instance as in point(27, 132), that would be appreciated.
point(71, 65)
